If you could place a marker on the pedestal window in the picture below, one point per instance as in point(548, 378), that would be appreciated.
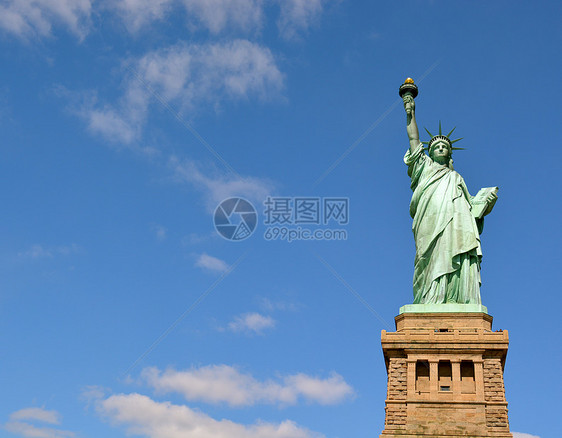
point(445, 374)
point(422, 376)
point(468, 384)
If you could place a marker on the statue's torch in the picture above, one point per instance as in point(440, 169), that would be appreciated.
point(408, 87)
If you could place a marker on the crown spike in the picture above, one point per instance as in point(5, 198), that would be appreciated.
point(442, 137)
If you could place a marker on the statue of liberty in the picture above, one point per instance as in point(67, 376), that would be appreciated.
point(447, 220)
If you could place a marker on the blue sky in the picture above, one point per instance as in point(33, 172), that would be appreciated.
point(124, 123)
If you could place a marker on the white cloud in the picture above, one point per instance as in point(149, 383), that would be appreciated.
point(323, 391)
point(187, 76)
point(36, 18)
point(211, 263)
point(35, 252)
point(214, 15)
point(297, 16)
point(67, 249)
point(143, 416)
point(270, 306)
point(194, 238)
point(218, 187)
point(253, 322)
point(523, 435)
point(160, 232)
point(119, 123)
point(39, 414)
point(40, 251)
point(218, 15)
point(139, 13)
point(111, 124)
point(225, 384)
point(19, 424)
point(191, 72)
point(93, 393)
point(30, 431)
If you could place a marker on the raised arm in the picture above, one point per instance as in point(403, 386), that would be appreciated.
point(411, 125)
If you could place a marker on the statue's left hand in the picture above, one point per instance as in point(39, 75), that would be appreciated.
point(409, 104)
point(491, 201)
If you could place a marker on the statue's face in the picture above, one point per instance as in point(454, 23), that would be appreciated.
point(440, 152)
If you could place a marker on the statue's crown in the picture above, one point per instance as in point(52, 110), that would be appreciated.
point(441, 137)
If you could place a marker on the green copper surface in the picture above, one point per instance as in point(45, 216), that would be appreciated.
point(447, 222)
point(443, 308)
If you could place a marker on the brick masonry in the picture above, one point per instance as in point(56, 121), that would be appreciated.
point(397, 390)
point(462, 393)
point(494, 392)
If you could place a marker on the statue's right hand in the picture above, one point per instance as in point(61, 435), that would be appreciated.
point(409, 104)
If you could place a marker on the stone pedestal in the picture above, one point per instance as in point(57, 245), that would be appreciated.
point(445, 375)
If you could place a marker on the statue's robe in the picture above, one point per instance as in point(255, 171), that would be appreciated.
point(447, 236)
